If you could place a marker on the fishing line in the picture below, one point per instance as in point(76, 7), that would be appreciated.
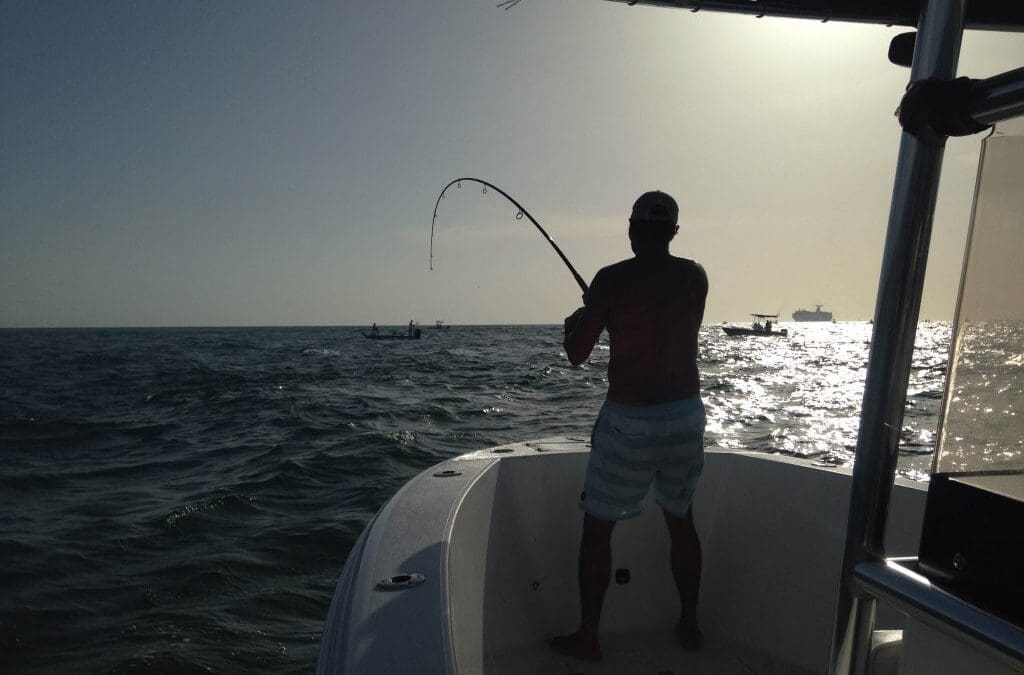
point(519, 216)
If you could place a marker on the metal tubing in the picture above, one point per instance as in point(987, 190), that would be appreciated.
point(999, 98)
point(915, 596)
point(895, 324)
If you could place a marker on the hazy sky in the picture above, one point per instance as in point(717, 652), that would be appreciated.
point(263, 163)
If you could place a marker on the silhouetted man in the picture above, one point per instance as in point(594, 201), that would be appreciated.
point(651, 426)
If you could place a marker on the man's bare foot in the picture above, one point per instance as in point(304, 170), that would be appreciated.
point(690, 636)
point(577, 646)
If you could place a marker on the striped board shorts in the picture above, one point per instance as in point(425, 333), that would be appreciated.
point(633, 446)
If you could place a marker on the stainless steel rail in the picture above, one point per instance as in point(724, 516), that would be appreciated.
point(897, 307)
point(911, 593)
point(999, 98)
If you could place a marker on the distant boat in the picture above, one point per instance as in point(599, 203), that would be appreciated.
point(393, 335)
point(808, 315)
point(762, 327)
point(440, 324)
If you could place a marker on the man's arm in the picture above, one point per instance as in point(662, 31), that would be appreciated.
point(583, 327)
point(701, 292)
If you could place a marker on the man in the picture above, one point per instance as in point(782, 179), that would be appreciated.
point(651, 426)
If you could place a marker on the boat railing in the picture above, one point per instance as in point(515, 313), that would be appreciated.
point(896, 582)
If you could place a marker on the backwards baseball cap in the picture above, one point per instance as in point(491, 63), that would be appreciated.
point(655, 208)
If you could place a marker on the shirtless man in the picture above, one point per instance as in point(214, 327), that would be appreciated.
point(651, 426)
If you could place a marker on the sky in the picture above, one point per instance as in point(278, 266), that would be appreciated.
point(270, 163)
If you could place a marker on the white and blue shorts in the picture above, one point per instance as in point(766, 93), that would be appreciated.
point(634, 446)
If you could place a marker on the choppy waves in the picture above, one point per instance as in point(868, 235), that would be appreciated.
point(183, 500)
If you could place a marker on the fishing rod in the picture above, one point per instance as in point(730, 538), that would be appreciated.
point(519, 216)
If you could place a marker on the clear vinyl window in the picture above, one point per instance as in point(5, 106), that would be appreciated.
point(981, 429)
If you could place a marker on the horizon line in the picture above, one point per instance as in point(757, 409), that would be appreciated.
point(379, 325)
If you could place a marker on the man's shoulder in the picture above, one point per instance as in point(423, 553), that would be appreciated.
point(691, 267)
point(614, 273)
point(631, 266)
point(618, 267)
point(687, 262)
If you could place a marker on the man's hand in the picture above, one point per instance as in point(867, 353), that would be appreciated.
point(572, 320)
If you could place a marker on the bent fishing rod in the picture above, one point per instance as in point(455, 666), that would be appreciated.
point(519, 216)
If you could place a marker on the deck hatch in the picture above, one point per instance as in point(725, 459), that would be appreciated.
point(400, 582)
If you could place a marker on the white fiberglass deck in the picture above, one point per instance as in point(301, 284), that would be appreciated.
point(650, 653)
point(495, 534)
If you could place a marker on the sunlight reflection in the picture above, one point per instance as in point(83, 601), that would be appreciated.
point(802, 395)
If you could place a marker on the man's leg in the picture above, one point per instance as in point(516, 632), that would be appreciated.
point(686, 563)
point(595, 568)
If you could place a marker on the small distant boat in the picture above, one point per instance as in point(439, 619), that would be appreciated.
point(413, 334)
point(762, 327)
point(440, 324)
point(808, 315)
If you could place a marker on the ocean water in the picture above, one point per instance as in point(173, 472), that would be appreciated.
point(983, 428)
point(183, 500)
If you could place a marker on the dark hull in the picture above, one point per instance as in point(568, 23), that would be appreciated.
point(737, 331)
point(371, 336)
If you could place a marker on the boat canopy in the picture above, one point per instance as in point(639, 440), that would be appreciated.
point(981, 14)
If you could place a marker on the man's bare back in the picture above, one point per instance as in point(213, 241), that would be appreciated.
point(652, 306)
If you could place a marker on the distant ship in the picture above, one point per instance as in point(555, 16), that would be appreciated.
point(808, 315)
